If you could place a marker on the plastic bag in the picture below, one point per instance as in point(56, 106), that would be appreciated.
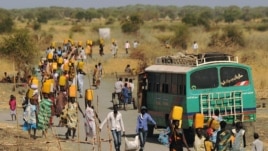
point(132, 145)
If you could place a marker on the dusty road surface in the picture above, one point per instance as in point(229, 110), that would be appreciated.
point(13, 138)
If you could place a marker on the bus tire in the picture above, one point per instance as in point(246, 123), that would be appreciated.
point(150, 130)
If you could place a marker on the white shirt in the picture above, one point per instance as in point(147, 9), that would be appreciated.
point(195, 46)
point(257, 145)
point(118, 86)
point(131, 85)
point(115, 123)
point(127, 45)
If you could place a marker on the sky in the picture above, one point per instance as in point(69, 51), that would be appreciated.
point(17, 4)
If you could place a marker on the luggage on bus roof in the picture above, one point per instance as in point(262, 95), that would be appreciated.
point(213, 56)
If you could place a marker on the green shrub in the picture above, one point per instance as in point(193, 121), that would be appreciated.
point(262, 27)
point(231, 36)
point(181, 37)
point(77, 28)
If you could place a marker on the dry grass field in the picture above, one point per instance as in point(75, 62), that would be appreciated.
point(254, 54)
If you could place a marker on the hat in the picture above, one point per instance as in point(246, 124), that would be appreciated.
point(143, 108)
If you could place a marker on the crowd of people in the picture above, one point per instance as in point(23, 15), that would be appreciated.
point(63, 74)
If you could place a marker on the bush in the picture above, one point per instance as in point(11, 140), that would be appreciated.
point(6, 25)
point(77, 28)
point(230, 37)
point(181, 37)
point(21, 47)
point(36, 26)
point(262, 27)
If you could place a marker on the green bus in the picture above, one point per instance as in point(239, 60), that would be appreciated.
point(199, 83)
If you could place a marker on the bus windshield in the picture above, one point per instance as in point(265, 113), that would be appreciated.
point(204, 79)
point(233, 76)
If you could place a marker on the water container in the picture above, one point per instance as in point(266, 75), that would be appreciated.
point(53, 44)
point(34, 81)
point(65, 41)
point(176, 113)
point(72, 91)
point(89, 95)
point(30, 93)
point(66, 67)
point(89, 42)
point(51, 84)
point(54, 66)
point(46, 86)
point(79, 43)
point(62, 80)
point(213, 124)
point(50, 55)
point(60, 60)
point(198, 120)
point(80, 65)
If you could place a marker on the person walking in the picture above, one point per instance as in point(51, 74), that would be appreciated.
point(195, 47)
point(80, 81)
point(127, 46)
point(239, 143)
point(114, 49)
point(199, 140)
point(208, 143)
point(257, 144)
point(72, 116)
point(44, 114)
point(116, 125)
point(142, 126)
point(223, 138)
point(177, 138)
point(125, 95)
point(118, 86)
point(12, 106)
point(30, 118)
point(90, 125)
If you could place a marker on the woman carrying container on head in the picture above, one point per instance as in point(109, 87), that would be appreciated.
point(177, 137)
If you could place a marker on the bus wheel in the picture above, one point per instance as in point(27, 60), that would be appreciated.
point(250, 129)
point(150, 130)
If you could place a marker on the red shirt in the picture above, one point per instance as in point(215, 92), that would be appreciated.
point(12, 104)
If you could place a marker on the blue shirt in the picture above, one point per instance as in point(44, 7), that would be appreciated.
point(142, 122)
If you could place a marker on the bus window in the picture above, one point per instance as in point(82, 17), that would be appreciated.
point(156, 82)
point(233, 76)
point(165, 88)
point(151, 81)
point(174, 84)
point(203, 79)
point(168, 82)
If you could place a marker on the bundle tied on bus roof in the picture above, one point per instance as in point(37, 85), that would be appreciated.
point(195, 60)
point(178, 59)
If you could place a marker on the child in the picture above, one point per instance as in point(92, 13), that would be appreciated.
point(12, 105)
point(208, 143)
point(30, 118)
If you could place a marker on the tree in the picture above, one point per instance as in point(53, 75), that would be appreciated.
point(131, 24)
point(181, 37)
point(21, 48)
point(231, 14)
point(6, 25)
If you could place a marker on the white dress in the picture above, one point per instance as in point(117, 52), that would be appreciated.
point(90, 126)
